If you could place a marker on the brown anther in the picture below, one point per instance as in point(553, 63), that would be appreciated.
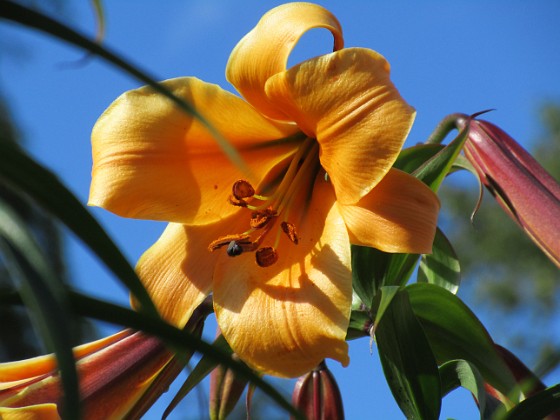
point(225, 240)
point(242, 189)
point(261, 218)
point(290, 230)
point(266, 256)
point(238, 202)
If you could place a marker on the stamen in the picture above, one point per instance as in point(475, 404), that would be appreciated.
point(260, 219)
point(304, 173)
point(242, 189)
point(234, 249)
point(240, 239)
point(238, 202)
point(283, 193)
point(290, 230)
point(266, 256)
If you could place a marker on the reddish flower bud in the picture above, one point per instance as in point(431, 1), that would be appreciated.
point(225, 390)
point(114, 373)
point(317, 396)
point(524, 189)
point(120, 376)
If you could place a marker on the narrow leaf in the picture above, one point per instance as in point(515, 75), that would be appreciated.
point(441, 267)
point(408, 361)
point(412, 158)
point(434, 170)
point(203, 368)
point(537, 406)
point(372, 269)
point(384, 299)
point(45, 298)
point(454, 332)
point(24, 174)
point(456, 373)
point(18, 13)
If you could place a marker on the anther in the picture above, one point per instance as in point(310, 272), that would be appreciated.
point(266, 256)
point(290, 230)
point(240, 240)
point(261, 218)
point(242, 189)
point(238, 202)
point(234, 249)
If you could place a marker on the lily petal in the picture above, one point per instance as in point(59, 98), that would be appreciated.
point(34, 412)
point(346, 100)
point(285, 319)
point(152, 161)
point(177, 270)
point(264, 51)
point(398, 215)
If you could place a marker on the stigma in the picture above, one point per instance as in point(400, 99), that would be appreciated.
point(272, 212)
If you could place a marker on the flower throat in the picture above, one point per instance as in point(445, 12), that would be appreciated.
point(268, 210)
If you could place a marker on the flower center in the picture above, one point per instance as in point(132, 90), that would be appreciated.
point(273, 212)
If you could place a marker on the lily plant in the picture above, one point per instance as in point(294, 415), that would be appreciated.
point(296, 216)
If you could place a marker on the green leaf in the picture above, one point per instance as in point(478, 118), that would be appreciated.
point(180, 340)
point(45, 298)
point(537, 406)
point(434, 170)
point(441, 267)
point(360, 324)
point(367, 273)
point(203, 368)
point(372, 269)
point(382, 302)
point(412, 158)
point(456, 373)
point(454, 332)
point(408, 361)
point(24, 174)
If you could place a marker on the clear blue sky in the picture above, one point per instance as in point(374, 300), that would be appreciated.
point(460, 56)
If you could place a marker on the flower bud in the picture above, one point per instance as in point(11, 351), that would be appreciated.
point(120, 375)
point(225, 390)
point(114, 373)
point(317, 396)
point(524, 189)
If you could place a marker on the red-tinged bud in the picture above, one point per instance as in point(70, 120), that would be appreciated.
point(118, 375)
point(317, 396)
point(226, 389)
point(524, 189)
point(114, 373)
point(161, 382)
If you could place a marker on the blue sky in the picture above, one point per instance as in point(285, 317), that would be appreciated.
point(460, 56)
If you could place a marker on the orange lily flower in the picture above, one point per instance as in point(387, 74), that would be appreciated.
point(273, 245)
point(114, 373)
